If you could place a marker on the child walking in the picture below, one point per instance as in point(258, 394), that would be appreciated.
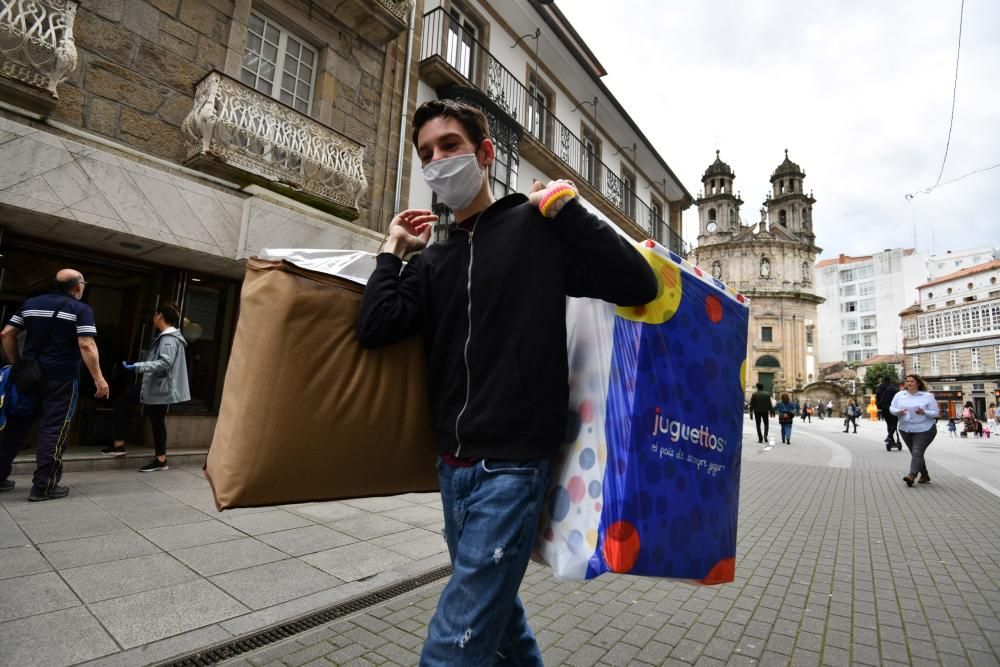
point(952, 428)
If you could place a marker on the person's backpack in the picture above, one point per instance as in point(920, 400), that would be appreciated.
point(5, 384)
point(966, 413)
point(12, 402)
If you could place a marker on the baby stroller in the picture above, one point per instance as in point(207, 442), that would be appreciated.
point(895, 441)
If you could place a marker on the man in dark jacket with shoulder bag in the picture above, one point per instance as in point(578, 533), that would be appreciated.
point(490, 303)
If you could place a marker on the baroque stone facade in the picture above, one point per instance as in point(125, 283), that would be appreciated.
point(771, 261)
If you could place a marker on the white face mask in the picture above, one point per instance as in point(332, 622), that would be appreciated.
point(455, 180)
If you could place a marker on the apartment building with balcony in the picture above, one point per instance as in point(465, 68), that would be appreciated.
point(951, 337)
point(860, 317)
point(551, 115)
point(157, 144)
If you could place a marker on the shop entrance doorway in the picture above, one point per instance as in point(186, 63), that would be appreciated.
point(122, 296)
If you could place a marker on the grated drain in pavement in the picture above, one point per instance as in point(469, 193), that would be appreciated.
point(235, 647)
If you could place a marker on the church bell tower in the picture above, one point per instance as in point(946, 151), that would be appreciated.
point(718, 207)
point(788, 205)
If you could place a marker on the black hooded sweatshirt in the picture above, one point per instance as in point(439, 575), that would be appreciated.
point(490, 302)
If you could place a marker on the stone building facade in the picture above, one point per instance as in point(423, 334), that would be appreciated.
point(951, 337)
point(771, 262)
point(157, 144)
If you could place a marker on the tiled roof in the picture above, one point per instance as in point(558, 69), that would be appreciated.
point(882, 359)
point(843, 259)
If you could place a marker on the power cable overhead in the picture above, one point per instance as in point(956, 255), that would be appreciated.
point(954, 96)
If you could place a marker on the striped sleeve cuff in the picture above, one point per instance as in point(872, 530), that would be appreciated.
point(17, 321)
point(85, 330)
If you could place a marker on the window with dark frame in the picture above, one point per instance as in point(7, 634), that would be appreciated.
point(539, 102)
point(628, 193)
point(460, 50)
point(503, 171)
point(767, 334)
point(657, 221)
point(591, 158)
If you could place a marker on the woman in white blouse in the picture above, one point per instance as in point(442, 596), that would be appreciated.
point(917, 410)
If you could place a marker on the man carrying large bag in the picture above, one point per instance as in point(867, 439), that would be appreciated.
point(490, 302)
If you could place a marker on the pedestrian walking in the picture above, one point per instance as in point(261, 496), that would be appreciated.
point(489, 301)
point(970, 419)
point(164, 383)
point(786, 417)
point(883, 400)
point(760, 405)
point(60, 333)
point(851, 416)
point(916, 409)
point(992, 416)
point(829, 409)
point(952, 429)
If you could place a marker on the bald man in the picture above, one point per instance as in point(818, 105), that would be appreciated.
point(60, 333)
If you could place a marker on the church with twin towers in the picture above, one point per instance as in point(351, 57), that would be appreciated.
point(771, 261)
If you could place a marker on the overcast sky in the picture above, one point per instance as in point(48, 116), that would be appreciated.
point(859, 91)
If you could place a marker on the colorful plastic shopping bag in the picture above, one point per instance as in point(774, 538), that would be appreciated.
point(648, 480)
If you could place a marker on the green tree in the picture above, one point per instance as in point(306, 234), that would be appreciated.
point(875, 373)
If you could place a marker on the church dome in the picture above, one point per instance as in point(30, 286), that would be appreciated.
point(787, 168)
point(718, 168)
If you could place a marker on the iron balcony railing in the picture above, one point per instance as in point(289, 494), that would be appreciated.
point(448, 38)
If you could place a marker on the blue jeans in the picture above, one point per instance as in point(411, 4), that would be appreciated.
point(491, 513)
point(786, 432)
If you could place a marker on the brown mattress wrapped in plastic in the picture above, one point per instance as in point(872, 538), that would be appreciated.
point(307, 414)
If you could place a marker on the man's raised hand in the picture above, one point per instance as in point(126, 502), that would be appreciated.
point(410, 231)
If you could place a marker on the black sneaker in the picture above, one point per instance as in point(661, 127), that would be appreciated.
point(154, 465)
point(113, 451)
point(6, 485)
point(56, 493)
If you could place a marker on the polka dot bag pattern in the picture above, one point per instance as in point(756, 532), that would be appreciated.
point(647, 481)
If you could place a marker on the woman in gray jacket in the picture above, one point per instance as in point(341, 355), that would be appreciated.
point(164, 382)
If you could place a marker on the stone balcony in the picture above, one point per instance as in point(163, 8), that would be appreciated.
point(37, 51)
point(236, 132)
point(378, 21)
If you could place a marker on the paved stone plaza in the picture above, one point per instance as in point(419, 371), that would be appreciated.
point(838, 563)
